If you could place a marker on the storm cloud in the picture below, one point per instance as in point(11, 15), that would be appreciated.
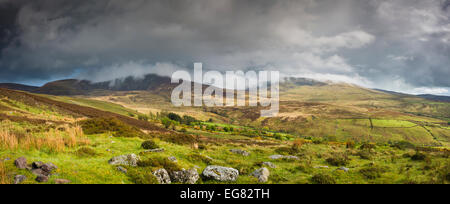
point(400, 45)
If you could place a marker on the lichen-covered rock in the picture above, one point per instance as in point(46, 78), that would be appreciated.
point(220, 173)
point(62, 181)
point(276, 157)
point(262, 174)
point(162, 176)
point(21, 163)
point(48, 167)
point(37, 165)
point(269, 164)
point(41, 178)
point(127, 160)
point(19, 179)
point(239, 151)
point(185, 176)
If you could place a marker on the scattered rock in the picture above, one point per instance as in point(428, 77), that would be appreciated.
point(239, 151)
point(21, 163)
point(269, 164)
point(276, 157)
point(262, 174)
point(343, 169)
point(121, 169)
point(7, 159)
point(37, 165)
point(62, 181)
point(321, 167)
point(172, 158)
point(185, 176)
point(41, 178)
point(155, 150)
point(220, 173)
point(127, 160)
point(162, 176)
point(19, 179)
point(39, 172)
point(48, 167)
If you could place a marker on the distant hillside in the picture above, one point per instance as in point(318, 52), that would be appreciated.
point(19, 87)
point(435, 97)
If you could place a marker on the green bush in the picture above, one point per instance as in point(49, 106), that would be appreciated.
point(160, 162)
point(338, 159)
point(323, 179)
point(174, 117)
point(105, 125)
point(372, 172)
point(419, 156)
point(86, 152)
point(149, 144)
point(142, 177)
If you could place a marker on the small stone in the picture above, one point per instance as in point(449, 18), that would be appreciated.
point(21, 163)
point(155, 150)
point(269, 164)
point(41, 178)
point(322, 167)
point(343, 169)
point(276, 157)
point(62, 181)
point(121, 169)
point(241, 152)
point(162, 176)
point(172, 158)
point(39, 172)
point(262, 174)
point(49, 167)
point(19, 179)
point(7, 159)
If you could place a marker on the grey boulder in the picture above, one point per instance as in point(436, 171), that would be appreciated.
point(185, 176)
point(127, 160)
point(21, 163)
point(262, 174)
point(162, 176)
point(19, 179)
point(220, 173)
point(241, 152)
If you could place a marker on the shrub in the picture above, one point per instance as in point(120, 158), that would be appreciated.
point(166, 122)
point(365, 155)
point(372, 172)
point(174, 117)
point(338, 159)
point(104, 125)
point(367, 146)
point(160, 162)
point(350, 145)
point(86, 152)
point(143, 117)
point(419, 156)
point(149, 144)
point(199, 158)
point(402, 145)
point(323, 179)
point(142, 177)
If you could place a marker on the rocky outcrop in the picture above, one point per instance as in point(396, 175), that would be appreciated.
point(277, 157)
point(262, 174)
point(185, 176)
point(239, 151)
point(269, 164)
point(19, 179)
point(162, 176)
point(220, 173)
point(21, 163)
point(126, 160)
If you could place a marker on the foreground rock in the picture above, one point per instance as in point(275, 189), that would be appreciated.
point(62, 181)
point(126, 160)
point(269, 164)
point(241, 152)
point(262, 174)
point(19, 179)
point(277, 157)
point(162, 176)
point(220, 173)
point(21, 163)
point(185, 176)
point(42, 178)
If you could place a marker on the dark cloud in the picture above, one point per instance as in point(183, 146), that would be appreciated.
point(401, 45)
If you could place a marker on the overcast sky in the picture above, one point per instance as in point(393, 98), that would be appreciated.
point(399, 45)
